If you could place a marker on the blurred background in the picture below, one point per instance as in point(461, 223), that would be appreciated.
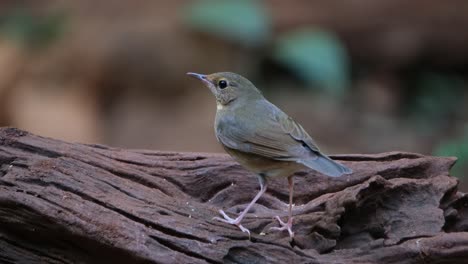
point(363, 76)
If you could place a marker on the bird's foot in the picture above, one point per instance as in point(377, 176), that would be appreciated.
point(232, 221)
point(284, 226)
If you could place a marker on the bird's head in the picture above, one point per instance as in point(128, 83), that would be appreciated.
point(228, 87)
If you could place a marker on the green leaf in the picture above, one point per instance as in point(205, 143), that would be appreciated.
point(316, 56)
point(240, 21)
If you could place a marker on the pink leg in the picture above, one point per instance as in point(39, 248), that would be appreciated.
point(236, 221)
point(287, 225)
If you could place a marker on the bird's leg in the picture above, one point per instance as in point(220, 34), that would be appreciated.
point(287, 225)
point(236, 221)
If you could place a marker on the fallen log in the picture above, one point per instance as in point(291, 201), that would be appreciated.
point(74, 203)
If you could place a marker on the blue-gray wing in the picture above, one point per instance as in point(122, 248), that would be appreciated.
point(274, 136)
point(278, 137)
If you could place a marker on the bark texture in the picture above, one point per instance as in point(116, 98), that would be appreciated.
point(73, 203)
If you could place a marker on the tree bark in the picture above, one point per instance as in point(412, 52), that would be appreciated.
point(73, 203)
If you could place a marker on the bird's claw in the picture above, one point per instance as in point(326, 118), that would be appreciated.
point(231, 221)
point(284, 226)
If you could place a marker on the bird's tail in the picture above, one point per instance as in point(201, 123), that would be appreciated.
point(327, 166)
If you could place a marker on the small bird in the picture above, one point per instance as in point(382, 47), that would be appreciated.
point(263, 139)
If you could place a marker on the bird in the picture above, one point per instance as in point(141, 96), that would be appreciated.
point(263, 139)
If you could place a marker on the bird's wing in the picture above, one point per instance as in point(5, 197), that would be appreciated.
point(297, 132)
point(276, 136)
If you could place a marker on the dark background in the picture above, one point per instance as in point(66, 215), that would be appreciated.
point(361, 76)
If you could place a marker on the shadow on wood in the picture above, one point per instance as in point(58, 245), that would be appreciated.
point(72, 203)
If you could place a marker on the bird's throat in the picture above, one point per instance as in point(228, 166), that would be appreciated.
point(220, 105)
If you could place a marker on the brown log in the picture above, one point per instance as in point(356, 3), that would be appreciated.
point(73, 203)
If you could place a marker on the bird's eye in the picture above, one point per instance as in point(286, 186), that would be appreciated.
point(222, 84)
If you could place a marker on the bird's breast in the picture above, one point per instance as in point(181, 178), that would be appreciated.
point(261, 165)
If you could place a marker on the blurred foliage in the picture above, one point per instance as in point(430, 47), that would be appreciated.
point(31, 31)
point(317, 56)
point(458, 148)
point(241, 21)
point(436, 96)
point(436, 99)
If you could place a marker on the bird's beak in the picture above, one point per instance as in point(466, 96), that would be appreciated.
point(197, 75)
point(201, 77)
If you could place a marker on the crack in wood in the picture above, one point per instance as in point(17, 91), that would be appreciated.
point(167, 231)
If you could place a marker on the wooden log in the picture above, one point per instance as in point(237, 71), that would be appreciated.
point(74, 203)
